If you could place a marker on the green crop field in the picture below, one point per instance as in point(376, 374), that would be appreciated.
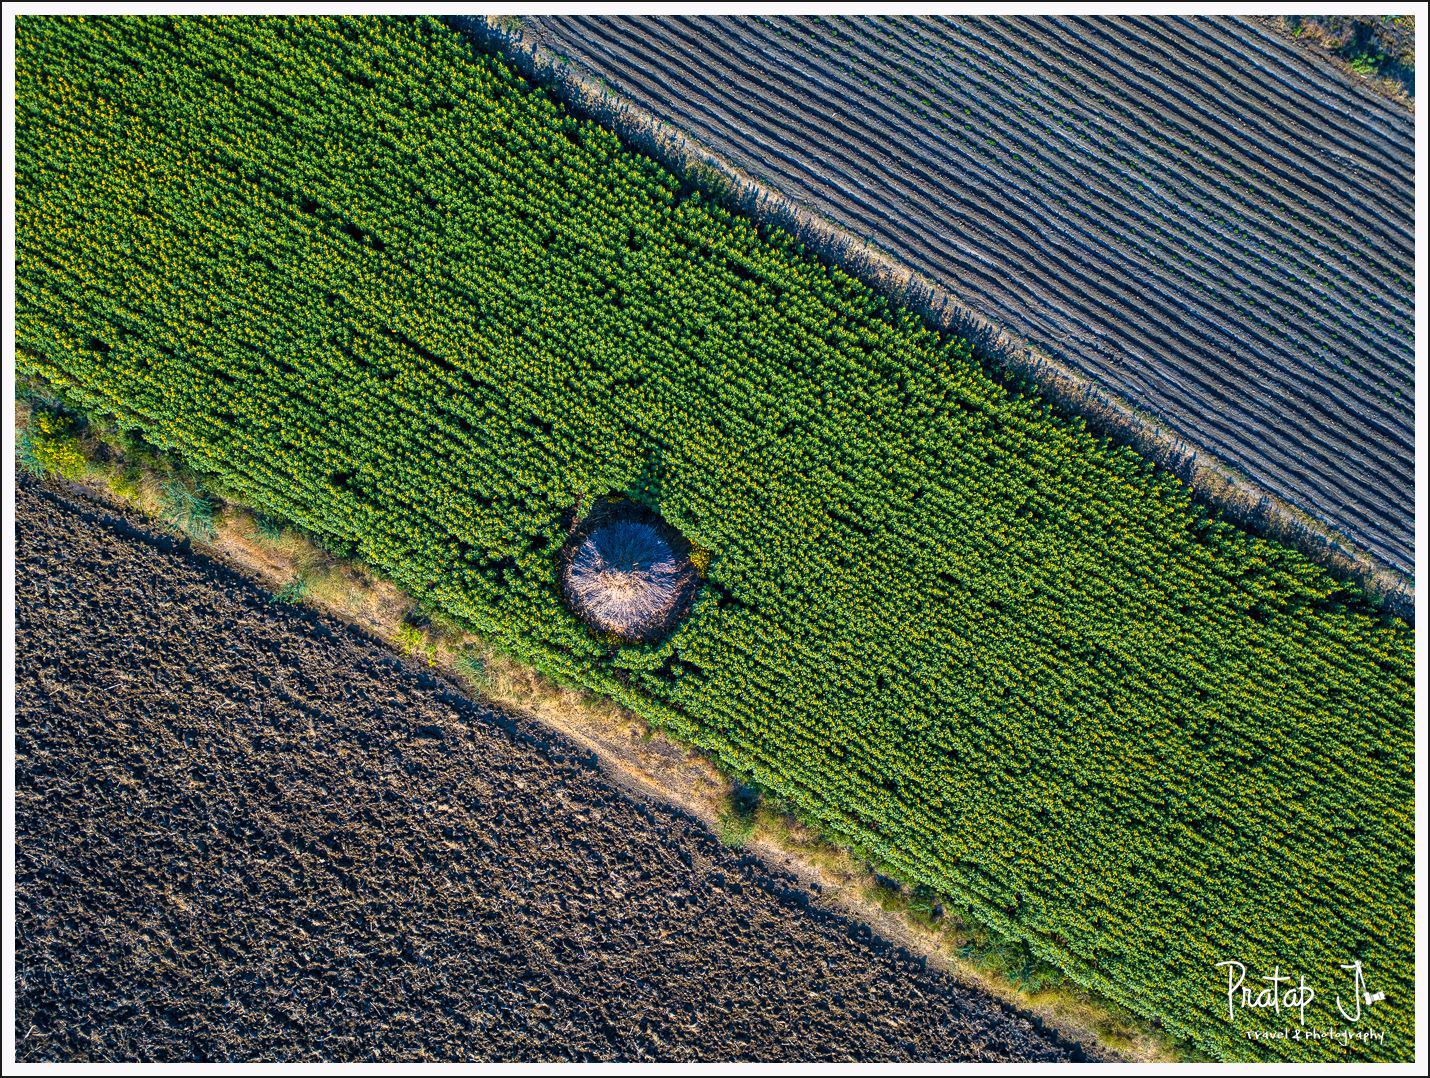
point(386, 290)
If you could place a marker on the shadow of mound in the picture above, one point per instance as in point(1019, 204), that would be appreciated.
point(626, 572)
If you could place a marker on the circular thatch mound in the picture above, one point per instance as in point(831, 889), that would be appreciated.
point(627, 572)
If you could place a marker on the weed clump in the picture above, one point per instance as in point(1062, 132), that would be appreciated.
point(267, 527)
point(291, 592)
point(187, 509)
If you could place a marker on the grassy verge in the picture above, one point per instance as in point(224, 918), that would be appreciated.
point(302, 570)
point(1378, 48)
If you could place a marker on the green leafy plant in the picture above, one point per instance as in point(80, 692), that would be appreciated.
point(49, 445)
point(414, 641)
point(187, 509)
point(292, 592)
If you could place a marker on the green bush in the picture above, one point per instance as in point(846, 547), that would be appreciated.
point(395, 295)
point(49, 446)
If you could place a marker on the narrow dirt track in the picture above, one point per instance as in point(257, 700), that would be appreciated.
point(1190, 212)
point(246, 833)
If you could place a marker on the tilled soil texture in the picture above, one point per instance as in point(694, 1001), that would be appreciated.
point(247, 833)
point(1193, 213)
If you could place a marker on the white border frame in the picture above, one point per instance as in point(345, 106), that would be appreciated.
point(7, 579)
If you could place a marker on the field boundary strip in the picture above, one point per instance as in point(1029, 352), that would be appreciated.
point(1385, 75)
point(506, 742)
point(1213, 481)
point(615, 742)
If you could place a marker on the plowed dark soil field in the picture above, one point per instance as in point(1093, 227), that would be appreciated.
point(246, 833)
point(1193, 213)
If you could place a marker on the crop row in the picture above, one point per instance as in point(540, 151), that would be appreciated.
point(1187, 211)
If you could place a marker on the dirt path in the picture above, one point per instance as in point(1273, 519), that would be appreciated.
point(247, 832)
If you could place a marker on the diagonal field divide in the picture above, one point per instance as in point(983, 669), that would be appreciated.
point(1184, 229)
point(286, 842)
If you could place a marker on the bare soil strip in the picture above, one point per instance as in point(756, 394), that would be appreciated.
point(1188, 214)
point(248, 832)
